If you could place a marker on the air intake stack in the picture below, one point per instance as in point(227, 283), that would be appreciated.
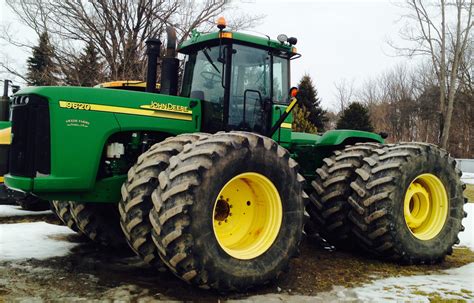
point(153, 47)
point(170, 65)
point(4, 102)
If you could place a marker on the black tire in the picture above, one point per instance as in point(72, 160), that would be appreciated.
point(136, 203)
point(32, 203)
point(331, 191)
point(62, 210)
point(379, 192)
point(182, 216)
point(100, 222)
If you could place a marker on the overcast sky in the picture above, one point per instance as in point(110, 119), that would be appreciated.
point(337, 39)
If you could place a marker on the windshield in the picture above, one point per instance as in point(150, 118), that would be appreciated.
point(203, 80)
point(203, 76)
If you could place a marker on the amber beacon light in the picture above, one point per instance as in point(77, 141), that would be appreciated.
point(221, 23)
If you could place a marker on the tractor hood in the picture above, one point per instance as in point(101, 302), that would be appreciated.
point(56, 130)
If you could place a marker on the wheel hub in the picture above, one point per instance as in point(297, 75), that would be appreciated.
point(222, 210)
point(247, 216)
point(426, 206)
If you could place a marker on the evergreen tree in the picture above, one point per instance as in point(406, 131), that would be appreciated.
point(356, 116)
point(90, 67)
point(301, 121)
point(87, 69)
point(41, 67)
point(308, 99)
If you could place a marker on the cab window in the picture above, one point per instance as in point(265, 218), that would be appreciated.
point(280, 80)
point(250, 86)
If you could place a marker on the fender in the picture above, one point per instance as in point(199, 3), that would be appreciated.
point(342, 136)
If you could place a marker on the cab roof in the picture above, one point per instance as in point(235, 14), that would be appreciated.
point(198, 39)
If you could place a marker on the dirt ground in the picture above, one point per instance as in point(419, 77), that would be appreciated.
point(91, 272)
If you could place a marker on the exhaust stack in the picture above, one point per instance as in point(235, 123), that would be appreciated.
point(153, 52)
point(170, 65)
point(4, 102)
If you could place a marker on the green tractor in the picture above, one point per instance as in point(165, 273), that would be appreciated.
point(212, 183)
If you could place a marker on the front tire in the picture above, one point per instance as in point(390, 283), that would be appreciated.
point(100, 222)
point(409, 203)
point(32, 203)
point(62, 209)
point(229, 212)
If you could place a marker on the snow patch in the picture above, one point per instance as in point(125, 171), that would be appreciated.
point(467, 236)
point(16, 211)
point(37, 240)
point(452, 284)
point(467, 178)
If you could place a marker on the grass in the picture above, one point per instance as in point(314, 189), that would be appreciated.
point(438, 298)
point(469, 192)
point(323, 269)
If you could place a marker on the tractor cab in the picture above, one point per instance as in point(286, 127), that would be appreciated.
point(238, 77)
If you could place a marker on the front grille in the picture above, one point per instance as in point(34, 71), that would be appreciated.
point(30, 148)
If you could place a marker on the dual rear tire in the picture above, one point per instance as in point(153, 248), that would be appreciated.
point(402, 202)
point(408, 203)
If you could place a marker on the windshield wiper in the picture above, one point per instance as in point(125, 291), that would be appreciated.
point(210, 60)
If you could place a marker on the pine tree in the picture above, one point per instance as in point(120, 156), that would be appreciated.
point(87, 69)
point(301, 121)
point(308, 99)
point(90, 66)
point(356, 116)
point(42, 69)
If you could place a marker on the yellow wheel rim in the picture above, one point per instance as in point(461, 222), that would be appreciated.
point(247, 216)
point(426, 206)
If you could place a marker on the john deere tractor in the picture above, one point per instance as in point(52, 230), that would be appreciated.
point(212, 183)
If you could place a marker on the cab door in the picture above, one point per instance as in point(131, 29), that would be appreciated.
point(250, 89)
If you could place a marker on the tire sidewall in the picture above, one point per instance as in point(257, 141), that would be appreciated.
point(263, 267)
point(432, 163)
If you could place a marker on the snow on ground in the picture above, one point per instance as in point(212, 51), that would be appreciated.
point(15, 211)
point(455, 284)
point(37, 240)
point(451, 284)
point(467, 178)
point(41, 240)
point(467, 237)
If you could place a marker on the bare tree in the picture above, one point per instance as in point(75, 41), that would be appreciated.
point(117, 28)
point(369, 93)
point(344, 92)
point(441, 31)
